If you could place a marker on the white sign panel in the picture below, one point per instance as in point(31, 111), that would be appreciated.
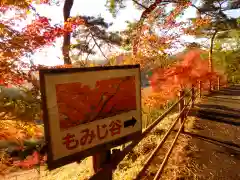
point(89, 109)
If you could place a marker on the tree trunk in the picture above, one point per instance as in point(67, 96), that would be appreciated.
point(67, 36)
point(210, 62)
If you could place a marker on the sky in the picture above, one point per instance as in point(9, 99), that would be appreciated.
point(52, 55)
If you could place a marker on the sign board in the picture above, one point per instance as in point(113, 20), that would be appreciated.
point(87, 110)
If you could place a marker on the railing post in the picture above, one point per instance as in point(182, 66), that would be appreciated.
point(200, 88)
point(218, 83)
point(181, 106)
point(193, 96)
point(210, 85)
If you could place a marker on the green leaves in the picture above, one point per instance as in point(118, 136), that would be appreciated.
point(238, 21)
point(228, 58)
point(218, 45)
point(114, 6)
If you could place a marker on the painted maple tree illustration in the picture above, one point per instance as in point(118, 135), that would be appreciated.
point(79, 104)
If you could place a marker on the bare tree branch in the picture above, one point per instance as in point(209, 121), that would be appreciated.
point(95, 41)
point(141, 5)
point(89, 52)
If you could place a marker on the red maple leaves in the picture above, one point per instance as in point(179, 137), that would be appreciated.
point(31, 160)
point(192, 69)
point(80, 104)
point(38, 34)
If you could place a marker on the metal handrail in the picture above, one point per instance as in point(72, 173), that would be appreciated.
point(148, 161)
point(162, 116)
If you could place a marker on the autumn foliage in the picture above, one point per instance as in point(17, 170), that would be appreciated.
point(16, 133)
point(166, 83)
point(157, 18)
point(32, 160)
point(17, 44)
point(80, 104)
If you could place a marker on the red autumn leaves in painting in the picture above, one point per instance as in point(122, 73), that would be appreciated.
point(79, 103)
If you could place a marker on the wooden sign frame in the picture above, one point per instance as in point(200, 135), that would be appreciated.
point(48, 125)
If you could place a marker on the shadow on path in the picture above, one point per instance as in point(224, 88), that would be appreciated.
point(213, 108)
point(227, 115)
point(227, 144)
point(225, 99)
point(219, 107)
point(230, 91)
point(216, 135)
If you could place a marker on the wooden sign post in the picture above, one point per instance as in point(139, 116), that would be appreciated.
point(193, 95)
point(200, 88)
point(99, 160)
point(89, 111)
